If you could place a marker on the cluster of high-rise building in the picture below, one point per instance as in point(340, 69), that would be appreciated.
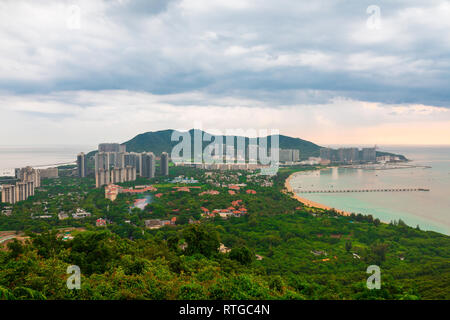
point(18, 192)
point(114, 165)
point(111, 147)
point(289, 155)
point(348, 155)
point(147, 161)
point(28, 174)
point(114, 175)
point(29, 179)
point(110, 160)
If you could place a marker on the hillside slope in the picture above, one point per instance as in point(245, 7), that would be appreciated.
point(160, 141)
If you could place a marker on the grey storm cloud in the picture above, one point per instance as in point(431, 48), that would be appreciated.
point(286, 52)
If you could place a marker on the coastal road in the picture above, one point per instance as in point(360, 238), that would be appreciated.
point(7, 238)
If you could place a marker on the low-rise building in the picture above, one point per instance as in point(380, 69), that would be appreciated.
point(210, 192)
point(181, 179)
point(223, 248)
point(157, 223)
point(7, 212)
point(153, 224)
point(80, 214)
point(62, 216)
point(100, 222)
point(112, 190)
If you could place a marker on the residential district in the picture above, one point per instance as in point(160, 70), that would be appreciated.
point(127, 173)
point(112, 164)
point(130, 174)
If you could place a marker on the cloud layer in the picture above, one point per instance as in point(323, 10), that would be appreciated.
point(87, 117)
point(74, 64)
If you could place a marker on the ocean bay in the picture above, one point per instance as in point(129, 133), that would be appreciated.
point(430, 210)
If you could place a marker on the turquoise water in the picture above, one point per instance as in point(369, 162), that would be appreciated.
point(429, 210)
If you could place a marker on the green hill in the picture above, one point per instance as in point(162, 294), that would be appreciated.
point(160, 141)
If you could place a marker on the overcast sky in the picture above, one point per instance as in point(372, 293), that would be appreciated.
point(333, 72)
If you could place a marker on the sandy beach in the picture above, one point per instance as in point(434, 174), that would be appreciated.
point(310, 203)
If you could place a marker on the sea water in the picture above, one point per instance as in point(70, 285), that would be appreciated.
point(20, 156)
point(429, 210)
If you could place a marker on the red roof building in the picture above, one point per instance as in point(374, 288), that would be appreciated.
point(236, 203)
point(100, 222)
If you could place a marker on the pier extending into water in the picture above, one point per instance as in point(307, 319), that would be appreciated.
point(383, 166)
point(297, 190)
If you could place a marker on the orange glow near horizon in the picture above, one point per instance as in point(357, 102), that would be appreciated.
point(436, 133)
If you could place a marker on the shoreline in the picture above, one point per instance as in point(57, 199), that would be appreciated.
point(309, 203)
point(313, 204)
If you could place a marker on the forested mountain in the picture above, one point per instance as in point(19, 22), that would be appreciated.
point(160, 141)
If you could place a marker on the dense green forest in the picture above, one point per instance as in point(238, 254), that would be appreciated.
point(279, 250)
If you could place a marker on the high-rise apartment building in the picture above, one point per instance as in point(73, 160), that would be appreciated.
point(9, 193)
point(18, 192)
point(296, 155)
point(369, 154)
point(115, 175)
point(164, 165)
point(81, 165)
point(29, 174)
point(109, 160)
point(133, 159)
point(285, 155)
point(289, 155)
point(130, 173)
point(102, 161)
point(111, 147)
point(102, 177)
point(148, 165)
point(28, 178)
point(21, 191)
point(114, 165)
point(120, 160)
point(348, 155)
point(112, 160)
point(138, 163)
point(30, 188)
